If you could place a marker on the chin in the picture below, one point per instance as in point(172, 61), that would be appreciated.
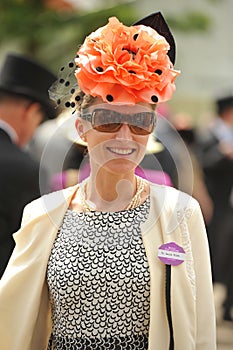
point(119, 166)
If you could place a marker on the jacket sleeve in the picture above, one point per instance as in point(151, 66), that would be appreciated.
point(24, 302)
point(25, 315)
point(205, 311)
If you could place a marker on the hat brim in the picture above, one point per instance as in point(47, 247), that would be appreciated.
point(153, 146)
point(66, 121)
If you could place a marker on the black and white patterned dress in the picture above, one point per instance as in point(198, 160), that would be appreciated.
point(99, 281)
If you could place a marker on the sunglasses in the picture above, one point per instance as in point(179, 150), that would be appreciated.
point(107, 120)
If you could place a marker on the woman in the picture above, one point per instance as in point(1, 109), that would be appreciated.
point(115, 262)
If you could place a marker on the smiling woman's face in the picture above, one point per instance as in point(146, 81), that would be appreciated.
point(119, 151)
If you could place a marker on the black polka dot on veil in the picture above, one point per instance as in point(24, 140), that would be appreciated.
point(65, 86)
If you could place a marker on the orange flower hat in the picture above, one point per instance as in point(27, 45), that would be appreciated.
point(127, 65)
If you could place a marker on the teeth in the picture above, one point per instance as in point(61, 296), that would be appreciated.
point(121, 151)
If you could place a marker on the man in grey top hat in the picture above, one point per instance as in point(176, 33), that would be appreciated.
point(24, 104)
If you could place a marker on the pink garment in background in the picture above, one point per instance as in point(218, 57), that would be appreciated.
point(159, 177)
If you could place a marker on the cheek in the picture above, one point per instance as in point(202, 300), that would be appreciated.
point(97, 148)
point(142, 141)
point(93, 139)
point(97, 139)
point(142, 144)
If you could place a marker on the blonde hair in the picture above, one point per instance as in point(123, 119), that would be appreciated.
point(82, 100)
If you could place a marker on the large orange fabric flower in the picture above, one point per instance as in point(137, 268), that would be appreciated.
point(126, 65)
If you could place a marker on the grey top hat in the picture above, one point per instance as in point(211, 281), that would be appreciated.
point(23, 76)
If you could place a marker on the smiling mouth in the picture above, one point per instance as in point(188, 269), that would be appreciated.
point(121, 151)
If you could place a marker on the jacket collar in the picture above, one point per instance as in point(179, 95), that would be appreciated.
point(7, 128)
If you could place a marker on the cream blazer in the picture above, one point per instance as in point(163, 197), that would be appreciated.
point(25, 319)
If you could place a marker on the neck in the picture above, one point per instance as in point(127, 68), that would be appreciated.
point(108, 191)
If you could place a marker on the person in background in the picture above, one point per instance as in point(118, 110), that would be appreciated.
point(24, 104)
point(116, 262)
point(170, 157)
point(216, 156)
point(51, 146)
point(186, 130)
point(75, 167)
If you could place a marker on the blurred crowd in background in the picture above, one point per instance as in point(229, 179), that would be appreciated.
point(196, 158)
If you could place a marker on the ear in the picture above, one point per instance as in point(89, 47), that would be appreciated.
point(34, 111)
point(80, 128)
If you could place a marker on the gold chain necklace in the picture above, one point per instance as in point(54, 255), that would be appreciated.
point(135, 201)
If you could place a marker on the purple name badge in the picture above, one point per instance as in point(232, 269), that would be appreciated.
point(171, 254)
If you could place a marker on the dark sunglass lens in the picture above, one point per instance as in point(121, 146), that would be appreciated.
point(110, 127)
point(139, 131)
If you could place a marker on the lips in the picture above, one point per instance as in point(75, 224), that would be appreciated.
point(121, 151)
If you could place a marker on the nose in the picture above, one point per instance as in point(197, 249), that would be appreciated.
point(124, 132)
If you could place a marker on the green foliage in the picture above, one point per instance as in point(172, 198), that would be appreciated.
point(52, 36)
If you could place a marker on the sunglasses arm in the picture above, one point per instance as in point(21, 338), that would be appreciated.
point(87, 117)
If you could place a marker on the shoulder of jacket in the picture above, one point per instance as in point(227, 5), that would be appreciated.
point(172, 198)
point(47, 203)
point(173, 207)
